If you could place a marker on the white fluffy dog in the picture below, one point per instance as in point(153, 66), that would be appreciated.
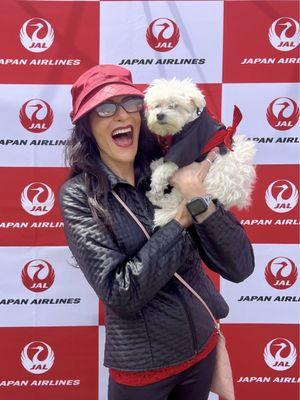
point(172, 107)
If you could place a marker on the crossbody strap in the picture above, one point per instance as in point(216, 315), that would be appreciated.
point(179, 277)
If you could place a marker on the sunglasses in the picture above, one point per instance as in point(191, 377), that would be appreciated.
point(131, 105)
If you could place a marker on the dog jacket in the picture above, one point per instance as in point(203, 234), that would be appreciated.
point(199, 137)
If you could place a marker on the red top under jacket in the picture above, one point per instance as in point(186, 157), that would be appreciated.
point(141, 378)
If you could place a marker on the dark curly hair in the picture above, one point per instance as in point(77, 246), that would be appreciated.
point(82, 156)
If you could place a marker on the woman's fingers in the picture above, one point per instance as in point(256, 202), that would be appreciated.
point(207, 163)
point(213, 154)
point(195, 170)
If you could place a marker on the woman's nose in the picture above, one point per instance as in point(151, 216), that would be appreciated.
point(121, 113)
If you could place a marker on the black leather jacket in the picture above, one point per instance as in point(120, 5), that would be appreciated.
point(151, 320)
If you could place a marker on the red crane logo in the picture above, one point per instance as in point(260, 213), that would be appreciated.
point(36, 115)
point(280, 354)
point(37, 198)
point(36, 35)
point(37, 357)
point(284, 34)
point(38, 275)
point(162, 34)
point(281, 273)
point(281, 196)
point(283, 113)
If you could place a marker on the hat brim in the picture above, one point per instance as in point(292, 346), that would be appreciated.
point(101, 94)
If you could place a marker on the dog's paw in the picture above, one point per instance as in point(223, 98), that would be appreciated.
point(160, 177)
point(167, 201)
point(156, 198)
point(169, 168)
point(156, 163)
point(157, 188)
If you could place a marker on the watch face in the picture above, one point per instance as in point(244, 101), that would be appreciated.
point(197, 206)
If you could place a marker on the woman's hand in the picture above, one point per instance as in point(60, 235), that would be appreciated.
point(189, 181)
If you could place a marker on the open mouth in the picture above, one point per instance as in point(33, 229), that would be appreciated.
point(123, 137)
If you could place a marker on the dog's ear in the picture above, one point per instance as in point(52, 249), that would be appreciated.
point(195, 95)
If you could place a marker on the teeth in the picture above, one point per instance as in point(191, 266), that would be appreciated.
point(121, 131)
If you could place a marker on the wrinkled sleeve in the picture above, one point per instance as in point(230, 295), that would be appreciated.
point(124, 284)
point(224, 246)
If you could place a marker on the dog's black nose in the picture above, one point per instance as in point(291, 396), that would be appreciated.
point(160, 116)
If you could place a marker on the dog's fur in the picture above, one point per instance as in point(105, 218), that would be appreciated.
point(170, 105)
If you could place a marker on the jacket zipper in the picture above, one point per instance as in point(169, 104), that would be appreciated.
point(190, 318)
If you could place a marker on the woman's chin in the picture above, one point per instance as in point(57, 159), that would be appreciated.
point(127, 157)
point(127, 154)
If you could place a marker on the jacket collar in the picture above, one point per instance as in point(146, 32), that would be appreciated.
point(114, 180)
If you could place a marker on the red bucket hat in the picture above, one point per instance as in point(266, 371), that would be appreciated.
point(97, 85)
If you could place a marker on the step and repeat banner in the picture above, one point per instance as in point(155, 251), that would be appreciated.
point(52, 330)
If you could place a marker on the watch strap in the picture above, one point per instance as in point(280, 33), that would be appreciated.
point(207, 198)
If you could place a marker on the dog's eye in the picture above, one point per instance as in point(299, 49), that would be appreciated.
point(157, 106)
point(171, 106)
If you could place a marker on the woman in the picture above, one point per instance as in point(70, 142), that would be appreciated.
point(160, 341)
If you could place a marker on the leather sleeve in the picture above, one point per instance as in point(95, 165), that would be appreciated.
point(123, 284)
point(224, 246)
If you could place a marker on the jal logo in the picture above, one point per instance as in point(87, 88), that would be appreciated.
point(280, 354)
point(37, 357)
point(283, 113)
point(38, 275)
point(37, 198)
point(36, 35)
point(281, 273)
point(284, 34)
point(281, 196)
point(162, 34)
point(36, 115)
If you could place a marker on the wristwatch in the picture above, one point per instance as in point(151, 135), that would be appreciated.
point(198, 205)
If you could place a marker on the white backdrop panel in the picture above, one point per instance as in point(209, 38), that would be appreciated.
point(254, 101)
point(255, 300)
point(41, 108)
point(123, 27)
point(69, 283)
